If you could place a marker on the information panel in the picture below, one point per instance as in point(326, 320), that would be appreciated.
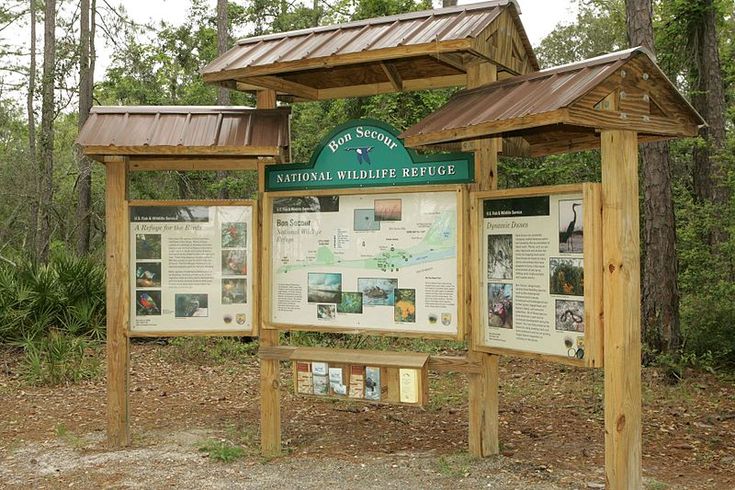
point(365, 262)
point(191, 268)
point(533, 265)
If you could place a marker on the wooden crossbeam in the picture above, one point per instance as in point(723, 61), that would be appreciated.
point(394, 77)
point(281, 85)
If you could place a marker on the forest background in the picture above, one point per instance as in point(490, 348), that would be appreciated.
point(52, 198)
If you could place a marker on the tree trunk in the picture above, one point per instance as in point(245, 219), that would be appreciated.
point(223, 94)
point(84, 183)
point(660, 315)
point(709, 100)
point(47, 133)
point(33, 225)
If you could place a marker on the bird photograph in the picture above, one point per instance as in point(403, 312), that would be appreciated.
point(570, 227)
point(148, 274)
point(148, 302)
point(147, 246)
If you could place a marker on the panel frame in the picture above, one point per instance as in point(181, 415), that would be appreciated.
point(255, 293)
point(461, 194)
point(593, 271)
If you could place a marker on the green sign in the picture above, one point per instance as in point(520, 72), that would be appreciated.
point(368, 153)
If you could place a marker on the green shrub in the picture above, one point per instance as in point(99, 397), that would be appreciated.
point(66, 295)
point(221, 450)
point(59, 358)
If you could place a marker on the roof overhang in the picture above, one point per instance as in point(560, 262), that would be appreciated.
point(413, 51)
point(563, 109)
point(172, 135)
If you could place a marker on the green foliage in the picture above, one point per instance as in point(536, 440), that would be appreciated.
point(373, 342)
point(58, 358)
point(598, 29)
point(210, 350)
point(221, 450)
point(67, 295)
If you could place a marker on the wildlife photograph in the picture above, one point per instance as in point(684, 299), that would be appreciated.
point(566, 276)
point(404, 311)
point(191, 305)
point(324, 287)
point(234, 235)
point(569, 315)
point(351, 303)
point(234, 291)
point(500, 256)
point(325, 312)
point(571, 232)
point(147, 246)
point(147, 303)
point(388, 209)
point(234, 262)
point(148, 274)
point(500, 305)
point(378, 291)
point(365, 220)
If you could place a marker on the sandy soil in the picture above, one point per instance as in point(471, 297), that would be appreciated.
point(552, 433)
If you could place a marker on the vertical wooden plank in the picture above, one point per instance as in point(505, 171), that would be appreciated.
point(117, 293)
point(483, 387)
point(594, 336)
point(270, 397)
point(622, 303)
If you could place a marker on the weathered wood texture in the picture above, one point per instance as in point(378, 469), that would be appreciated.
point(118, 346)
point(270, 396)
point(621, 297)
point(483, 387)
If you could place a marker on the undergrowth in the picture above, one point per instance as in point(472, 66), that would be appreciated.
point(209, 350)
point(55, 314)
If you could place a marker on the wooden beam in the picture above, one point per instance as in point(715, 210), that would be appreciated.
point(189, 164)
point(256, 151)
point(369, 56)
point(394, 77)
point(282, 85)
point(490, 128)
point(452, 59)
point(117, 293)
point(483, 386)
point(408, 85)
point(270, 395)
point(622, 303)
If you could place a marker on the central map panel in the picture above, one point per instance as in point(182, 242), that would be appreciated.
point(384, 261)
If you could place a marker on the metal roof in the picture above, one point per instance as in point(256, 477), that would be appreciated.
point(181, 129)
point(410, 35)
point(518, 103)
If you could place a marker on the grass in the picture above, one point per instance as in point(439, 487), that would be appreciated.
point(209, 350)
point(73, 440)
point(222, 450)
point(455, 465)
point(59, 358)
point(372, 342)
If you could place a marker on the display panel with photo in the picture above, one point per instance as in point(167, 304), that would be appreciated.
point(234, 262)
point(324, 287)
point(500, 256)
point(377, 291)
point(569, 315)
point(148, 274)
point(191, 305)
point(234, 235)
point(566, 276)
point(500, 305)
point(571, 229)
point(147, 246)
point(148, 303)
point(234, 291)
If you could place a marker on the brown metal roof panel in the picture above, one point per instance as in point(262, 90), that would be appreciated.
point(200, 130)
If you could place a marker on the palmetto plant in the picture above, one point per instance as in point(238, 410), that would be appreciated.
point(55, 313)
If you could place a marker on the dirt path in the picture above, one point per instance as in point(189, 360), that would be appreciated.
point(551, 432)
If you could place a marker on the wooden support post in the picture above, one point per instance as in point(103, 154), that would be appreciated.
point(118, 345)
point(483, 386)
point(622, 306)
point(270, 396)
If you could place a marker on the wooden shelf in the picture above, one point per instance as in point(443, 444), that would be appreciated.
point(362, 357)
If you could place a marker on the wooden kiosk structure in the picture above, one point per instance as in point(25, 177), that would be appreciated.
point(612, 103)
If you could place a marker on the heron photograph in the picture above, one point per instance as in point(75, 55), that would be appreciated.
point(571, 232)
